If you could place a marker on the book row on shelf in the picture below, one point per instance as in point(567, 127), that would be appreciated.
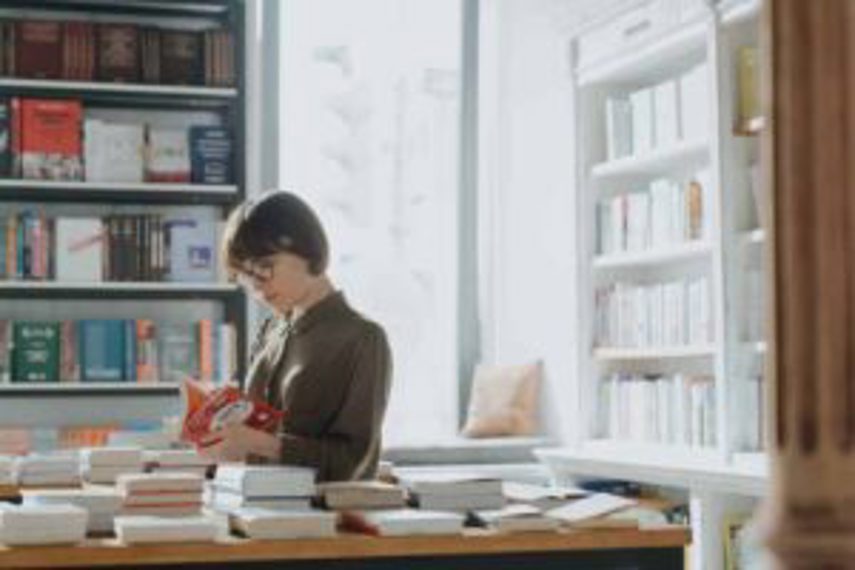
point(675, 313)
point(49, 139)
point(674, 409)
point(116, 52)
point(144, 247)
point(658, 116)
point(665, 213)
point(116, 350)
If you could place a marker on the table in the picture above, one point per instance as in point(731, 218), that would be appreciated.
point(615, 549)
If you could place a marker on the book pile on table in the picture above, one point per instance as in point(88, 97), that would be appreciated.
point(598, 510)
point(148, 529)
point(403, 522)
point(517, 517)
point(360, 495)
point(271, 524)
point(7, 470)
point(56, 470)
point(265, 486)
point(104, 464)
point(102, 503)
point(176, 461)
point(455, 491)
point(160, 494)
point(42, 524)
point(541, 496)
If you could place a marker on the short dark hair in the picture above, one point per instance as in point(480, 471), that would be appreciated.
point(275, 222)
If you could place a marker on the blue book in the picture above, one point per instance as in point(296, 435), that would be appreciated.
point(130, 374)
point(102, 350)
point(211, 155)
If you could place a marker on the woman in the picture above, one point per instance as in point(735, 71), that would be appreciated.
point(327, 367)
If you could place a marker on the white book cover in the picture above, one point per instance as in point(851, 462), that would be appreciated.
point(168, 155)
point(452, 484)
point(111, 456)
point(117, 154)
point(596, 505)
point(163, 499)
point(175, 458)
point(79, 249)
point(667, 113)
point(405, 522)
point(95, 499)
point(266, 524)
point(42, 524)
point(192, 249)
point(139, 529)
point(266, 480)
point(131, 483)
point(107, 474)
point(443, 502)
point(695, 104)
point(643, 114)
point(618, 128)
point(517, 518)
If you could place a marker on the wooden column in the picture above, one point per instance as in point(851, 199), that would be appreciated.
point(809, 172)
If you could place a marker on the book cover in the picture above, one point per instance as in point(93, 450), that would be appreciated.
point(180, 57)
point(150, 38)
point(69, 364)
point(118, 53)
point(35, 351)
point(5, 350)
point(50, 139)
point(192, 250)
point(114, 151)
point(5, 138)
point(147, 360)
point(211, 155)
point(178, 350)
point(78, 54)
point(79, 249)
point(168, 155)
point(38, 49)
point(102, 350)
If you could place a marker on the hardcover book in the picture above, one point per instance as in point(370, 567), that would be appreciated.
point(180, 57)
point(35, 352)
point(118, 53)
point(38, 49)
point(50, 139)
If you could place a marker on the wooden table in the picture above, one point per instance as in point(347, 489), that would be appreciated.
point(587, 550)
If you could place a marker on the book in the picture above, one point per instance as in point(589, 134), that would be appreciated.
point(159, 483)
point(140, 529)
point(5, 138)
point(667, 113)
point(227, 500)
point(403, 522)
point(192, 250)
point(346, 495)
point(50, 139)
point(180, 57)
point(35, 351)
point(452, 484)
point(42, 524)
point(114, 152)
point(541, 496)
point(38, 49)
point(79, 249)
point(694, 103)
point(102, 350)
point(265, 524)
point(515, 518)
point(591, 507)
point(643, 117)
point(118, 53)
point(208, 409)
point(168, 155)
point(178, 350)
point(463, 502)
point(266, 480)
point(211, 155)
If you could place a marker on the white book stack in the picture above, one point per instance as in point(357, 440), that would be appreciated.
point(267, 524)
point(588, 511)
point(102, 503)
point(58, 469)
point(541, 496)
point(42, 524)
point(104, 464)
point(455, 491)
point(403, 522)
point(160, 494)
point(148, 440)
point(283, 487)
point(359, 495)
point(176, 461)
point(7, 470)
point(516, 518)
point(154, 529)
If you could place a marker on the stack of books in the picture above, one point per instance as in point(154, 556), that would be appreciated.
point(7, 470)
point(59, 469)
point(176, 461)
point(403, 522)
point(269, 524)
point(515, 518)
point(104, 464)
point(543, 497)
point(41, 524)
point(160, 494)
point(265, 486)
point(455, 491)
point(359, 495)
point(595, 511)
point(148, 529)
point(101, 502)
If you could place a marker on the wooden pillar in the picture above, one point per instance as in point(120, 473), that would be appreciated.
point(809, 172)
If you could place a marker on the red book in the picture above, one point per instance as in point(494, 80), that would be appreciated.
point(50, 142)
point(38, 49)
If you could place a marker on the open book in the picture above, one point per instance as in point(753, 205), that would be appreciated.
point(209, 408)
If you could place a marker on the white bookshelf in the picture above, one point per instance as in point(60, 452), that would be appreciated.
point(733, 242)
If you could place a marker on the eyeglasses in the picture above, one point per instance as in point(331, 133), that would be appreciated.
point(256, 272)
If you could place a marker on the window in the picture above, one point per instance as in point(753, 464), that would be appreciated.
point(370, 122)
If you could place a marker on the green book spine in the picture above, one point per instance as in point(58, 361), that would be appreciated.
point(35, 351)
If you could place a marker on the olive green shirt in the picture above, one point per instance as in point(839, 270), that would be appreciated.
point(330, 372)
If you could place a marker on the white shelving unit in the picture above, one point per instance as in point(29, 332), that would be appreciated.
point(729, 473)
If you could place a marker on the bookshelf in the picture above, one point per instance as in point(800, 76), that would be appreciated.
point(730, 467)
point(207, 102)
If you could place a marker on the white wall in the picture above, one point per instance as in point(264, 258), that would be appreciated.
point(526, 183)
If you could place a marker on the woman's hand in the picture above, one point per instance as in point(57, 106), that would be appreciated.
point(235, 442)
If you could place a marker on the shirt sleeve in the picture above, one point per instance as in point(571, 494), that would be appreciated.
point(350, 448)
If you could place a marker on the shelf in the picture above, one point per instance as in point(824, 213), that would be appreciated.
point(86, 389)
point(741, 11)
point(658, 161)
point(193, 8)
point(658, 465)
point(116, 290)
point(759, 347)
point(670, 255)
point(676, 49)
point(655, 353)
point(148, 192)
point(753, 238)
point(131, 89)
